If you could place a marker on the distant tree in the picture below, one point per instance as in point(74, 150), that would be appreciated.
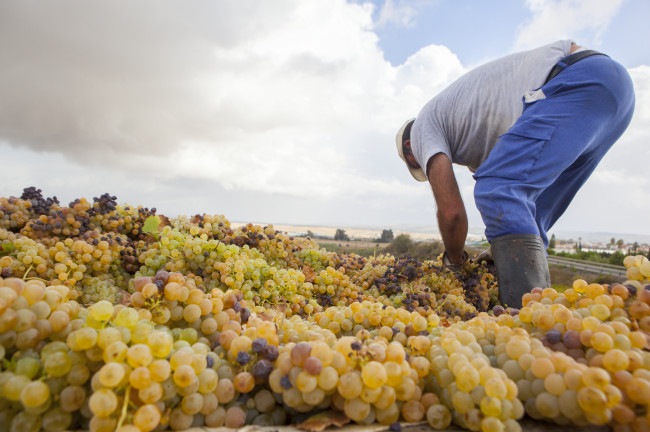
point(551, 244)
point(579, 245)
point(341, 235)
point(620, 243)
point(310, 234)
point(616, 258)
point(401, 244)
point(612, 242)
point(635, 247)
point(387, 236)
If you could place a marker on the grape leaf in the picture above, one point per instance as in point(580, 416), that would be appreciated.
point(151, 225)
point(319, 422)
point(309, 273)
point(266, 316)
point(7, 248)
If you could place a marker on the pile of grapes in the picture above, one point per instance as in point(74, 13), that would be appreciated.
point(114, 318)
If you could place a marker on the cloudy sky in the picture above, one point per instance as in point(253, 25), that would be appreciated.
point(282, 111)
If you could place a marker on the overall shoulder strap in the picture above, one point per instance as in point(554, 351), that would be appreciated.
point(569, 60)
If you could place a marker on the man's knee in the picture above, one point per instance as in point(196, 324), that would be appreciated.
point(489, 205)
point(504, 208)
point(490, 192)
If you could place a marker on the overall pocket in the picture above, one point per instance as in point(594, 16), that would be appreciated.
point(517, 151)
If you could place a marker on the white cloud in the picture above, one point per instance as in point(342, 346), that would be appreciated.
point(584, 21)
point(399, 13)
point(638, 131)
point(252, 97)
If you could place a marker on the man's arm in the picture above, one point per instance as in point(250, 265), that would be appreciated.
point(452, 217)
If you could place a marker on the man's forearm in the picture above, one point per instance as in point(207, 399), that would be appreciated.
point(452, 217)
point(453, 229)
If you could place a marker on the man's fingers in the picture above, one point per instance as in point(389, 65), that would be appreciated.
point(486, 256)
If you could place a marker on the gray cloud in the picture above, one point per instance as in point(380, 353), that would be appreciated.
point(211, 90)
point(287, 109)
point(124, 77)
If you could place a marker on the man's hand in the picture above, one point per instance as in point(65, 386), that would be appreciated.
point(455, 266)
point(486, 256)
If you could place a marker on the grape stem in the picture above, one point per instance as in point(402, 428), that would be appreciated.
point(35, 278)
point(28, 270)
point(25, 278)
point(439, 308)
point(127, 393)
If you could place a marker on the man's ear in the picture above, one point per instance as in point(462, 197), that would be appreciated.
point(407, 144)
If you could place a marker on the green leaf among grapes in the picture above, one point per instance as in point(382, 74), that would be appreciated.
point(7, 249)
point(152, 225)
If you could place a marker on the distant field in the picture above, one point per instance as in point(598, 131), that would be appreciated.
point(356, 246)
point(356, 233)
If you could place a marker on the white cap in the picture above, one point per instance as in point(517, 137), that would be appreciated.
point(417, 173)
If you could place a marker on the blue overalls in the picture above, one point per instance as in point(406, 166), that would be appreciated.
point(537, 167)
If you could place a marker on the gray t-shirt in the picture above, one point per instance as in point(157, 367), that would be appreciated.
point(466, 119)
